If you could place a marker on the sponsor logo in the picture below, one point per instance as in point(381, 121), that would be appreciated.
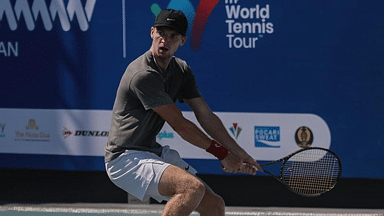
point(164, 134)
point(245, 25)
point(66, 133)
point(31, 125)
point(32, 11)
point(2, 128)
point(84, 133)
point(32, 133)
point(265, 136)
point(304, 137)
point(235, 130)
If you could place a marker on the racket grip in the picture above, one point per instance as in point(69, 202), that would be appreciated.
point(253, 166)
point(222, 167)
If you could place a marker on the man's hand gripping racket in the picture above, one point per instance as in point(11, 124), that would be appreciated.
point(234, 162)
point(244, 164)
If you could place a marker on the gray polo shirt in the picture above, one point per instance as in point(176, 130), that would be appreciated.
point(144, 86)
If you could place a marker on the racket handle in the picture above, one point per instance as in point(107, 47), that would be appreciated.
point(257, 170)
point(244, 165)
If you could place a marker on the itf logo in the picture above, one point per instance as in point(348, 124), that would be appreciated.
point(196, 19)
point(266, 134)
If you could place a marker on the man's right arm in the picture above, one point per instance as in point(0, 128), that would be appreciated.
point(185, 128)
point(192, 134)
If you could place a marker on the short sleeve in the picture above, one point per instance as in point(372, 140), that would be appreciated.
point(190, 89)
point(149, 89)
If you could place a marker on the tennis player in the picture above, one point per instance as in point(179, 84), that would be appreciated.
point(146, 99)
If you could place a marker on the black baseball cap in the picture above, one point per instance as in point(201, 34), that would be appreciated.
point(173, 19)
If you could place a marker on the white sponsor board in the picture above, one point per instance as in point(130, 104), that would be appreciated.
point(84, 133)
point(264, 136)
point(57, 132)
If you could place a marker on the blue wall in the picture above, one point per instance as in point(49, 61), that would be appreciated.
point(321, 57)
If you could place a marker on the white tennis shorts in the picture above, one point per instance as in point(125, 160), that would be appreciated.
point(139, 172)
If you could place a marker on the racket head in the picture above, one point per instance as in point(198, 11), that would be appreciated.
point(311, 172)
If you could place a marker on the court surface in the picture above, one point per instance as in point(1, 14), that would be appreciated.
point(85, 209)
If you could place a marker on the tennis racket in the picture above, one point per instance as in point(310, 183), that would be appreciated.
point(308, 172)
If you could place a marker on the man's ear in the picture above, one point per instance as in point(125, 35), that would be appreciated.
point(183, 40)
point(152, 31)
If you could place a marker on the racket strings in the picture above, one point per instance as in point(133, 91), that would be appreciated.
point(311, 172)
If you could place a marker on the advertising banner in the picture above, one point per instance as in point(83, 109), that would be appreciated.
point(281, 74)
point(55, 132)
point(85, 132)
point(265, 136)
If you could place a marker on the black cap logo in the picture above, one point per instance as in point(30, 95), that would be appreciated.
point(172, 19)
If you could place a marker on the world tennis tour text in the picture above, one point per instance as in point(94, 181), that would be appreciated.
point(245, 25)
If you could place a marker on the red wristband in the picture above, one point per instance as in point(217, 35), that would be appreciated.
point(217, 150)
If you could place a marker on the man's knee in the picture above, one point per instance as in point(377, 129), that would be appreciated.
point(213, 206)
point(194, 187)
point(175, 181)
point(219, 205)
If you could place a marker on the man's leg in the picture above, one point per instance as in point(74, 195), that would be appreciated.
point(186, 191)
point(211, 204)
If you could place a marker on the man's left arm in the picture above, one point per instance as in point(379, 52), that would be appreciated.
point(213, 126)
